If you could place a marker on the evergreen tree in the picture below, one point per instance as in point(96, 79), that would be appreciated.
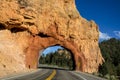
point(110, 50)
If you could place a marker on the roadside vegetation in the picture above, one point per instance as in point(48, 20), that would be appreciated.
point(110, 50)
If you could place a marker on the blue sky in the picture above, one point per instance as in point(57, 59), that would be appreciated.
point(51, 49)
point(106, 13)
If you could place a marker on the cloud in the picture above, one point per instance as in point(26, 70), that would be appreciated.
point(104, 36)
point(117, 33)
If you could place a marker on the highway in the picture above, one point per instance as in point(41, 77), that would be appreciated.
point(53, 74)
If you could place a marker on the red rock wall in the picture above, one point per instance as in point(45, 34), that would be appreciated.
point(45, 23)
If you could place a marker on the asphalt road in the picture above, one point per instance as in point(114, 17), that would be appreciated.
point(53, 74)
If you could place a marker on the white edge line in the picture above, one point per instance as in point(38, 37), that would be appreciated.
point(90, 75)
point(79, 75)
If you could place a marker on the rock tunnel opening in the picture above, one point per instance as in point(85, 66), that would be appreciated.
point(57, 57)
point(39, 44)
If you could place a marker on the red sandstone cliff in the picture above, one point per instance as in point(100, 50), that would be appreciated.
point(27, 26)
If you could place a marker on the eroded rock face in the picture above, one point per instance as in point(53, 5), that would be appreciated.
point(28, 26)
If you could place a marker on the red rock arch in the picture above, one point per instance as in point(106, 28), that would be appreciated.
point(40, 43)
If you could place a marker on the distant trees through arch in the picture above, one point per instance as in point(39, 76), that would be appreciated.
point(58, 57)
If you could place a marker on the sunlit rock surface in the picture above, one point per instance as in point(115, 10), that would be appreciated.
point(27, 26)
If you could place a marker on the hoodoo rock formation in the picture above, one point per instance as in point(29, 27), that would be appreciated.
point(28, 26)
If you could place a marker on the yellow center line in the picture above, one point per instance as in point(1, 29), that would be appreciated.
point(52, 75)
